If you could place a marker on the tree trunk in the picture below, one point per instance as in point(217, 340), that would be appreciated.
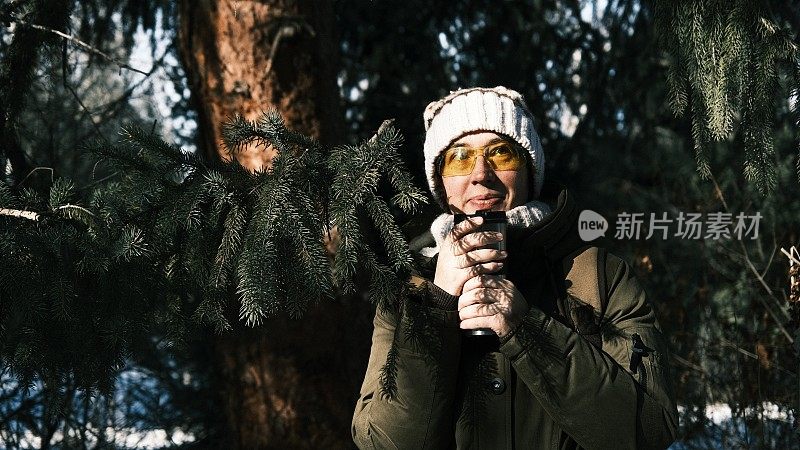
point(292, 383)
point(243, 57)
point(289, 383)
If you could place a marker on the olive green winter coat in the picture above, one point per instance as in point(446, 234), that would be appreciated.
point(563, 379)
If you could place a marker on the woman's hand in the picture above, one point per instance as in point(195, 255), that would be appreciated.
point(490, 301)
point(461, 258)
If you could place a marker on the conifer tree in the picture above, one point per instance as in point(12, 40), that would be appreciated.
point(716, 302)
point(18, 67)
point(728, 60)
point(179, 233)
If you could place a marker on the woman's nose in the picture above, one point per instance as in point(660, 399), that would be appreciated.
point(482, 170)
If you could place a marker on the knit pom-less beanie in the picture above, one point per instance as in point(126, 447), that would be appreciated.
point(499, 110)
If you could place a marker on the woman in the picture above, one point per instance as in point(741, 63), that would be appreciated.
point(554, 376)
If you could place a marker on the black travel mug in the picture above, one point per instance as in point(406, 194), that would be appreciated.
point(492, 221)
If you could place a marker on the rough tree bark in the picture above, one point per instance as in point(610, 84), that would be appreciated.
point(246, 56)
point(287, 384)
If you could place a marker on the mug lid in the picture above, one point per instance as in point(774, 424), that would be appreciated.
point(488, 216)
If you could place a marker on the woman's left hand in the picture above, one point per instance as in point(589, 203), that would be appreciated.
point(490, 301)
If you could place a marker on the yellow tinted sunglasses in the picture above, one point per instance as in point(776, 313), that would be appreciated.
point(460, 159)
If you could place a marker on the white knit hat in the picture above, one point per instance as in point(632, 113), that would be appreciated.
point(500, 110)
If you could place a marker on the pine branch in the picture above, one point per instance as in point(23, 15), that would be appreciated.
point(388, 374)
point(79, 43)
point(30, 215)
point(235, 223)
point(725, 60)
point(185, 237)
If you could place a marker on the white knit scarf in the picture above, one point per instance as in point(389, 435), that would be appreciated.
point(524, 216)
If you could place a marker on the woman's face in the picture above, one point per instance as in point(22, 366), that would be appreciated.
point(484, 188)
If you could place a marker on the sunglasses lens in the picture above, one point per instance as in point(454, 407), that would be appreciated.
point(504, 157)
point(461, 160)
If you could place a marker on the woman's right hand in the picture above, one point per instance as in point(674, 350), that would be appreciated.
point(461, 256)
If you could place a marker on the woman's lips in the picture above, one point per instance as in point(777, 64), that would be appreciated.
point(483, 202)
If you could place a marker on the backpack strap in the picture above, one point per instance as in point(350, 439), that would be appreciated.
point(581, 271)
point(585, 284)
point(417, 281)
point(602, 260)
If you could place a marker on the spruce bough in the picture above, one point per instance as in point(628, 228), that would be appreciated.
point(727, 62)
point(174, 238)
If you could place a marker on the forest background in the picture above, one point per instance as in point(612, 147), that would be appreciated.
point(652, 107)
